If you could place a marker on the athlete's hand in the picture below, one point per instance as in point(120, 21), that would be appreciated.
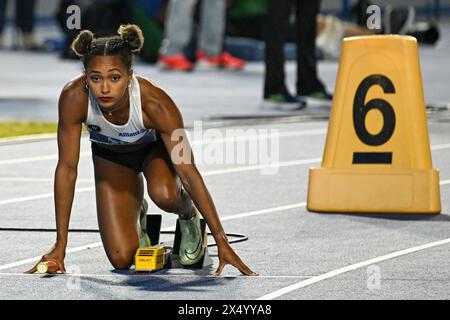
point(228, 256)
point(57, 254)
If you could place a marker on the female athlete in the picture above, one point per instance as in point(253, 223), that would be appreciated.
point(131, 123)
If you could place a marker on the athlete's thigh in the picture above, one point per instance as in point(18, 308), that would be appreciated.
point(163, 184)
point(119, 192)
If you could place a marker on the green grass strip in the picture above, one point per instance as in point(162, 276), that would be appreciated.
point(22, 128)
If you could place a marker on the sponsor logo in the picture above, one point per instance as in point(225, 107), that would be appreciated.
point(94, 128)
point(131, 134)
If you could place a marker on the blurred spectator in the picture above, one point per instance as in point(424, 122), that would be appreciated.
point(276, 94)
point(178, 30)
point(246, 19)
point(103, 17)
point(69, 35)
point(24, 23)
point(149, 16)
point(331, 30)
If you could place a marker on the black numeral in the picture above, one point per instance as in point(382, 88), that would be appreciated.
point(360, 110)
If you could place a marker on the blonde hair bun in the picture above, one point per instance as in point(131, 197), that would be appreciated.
point(133, 35)
point(82, 42)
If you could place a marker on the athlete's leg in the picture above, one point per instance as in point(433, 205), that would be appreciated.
point(119, 192)
point(165, 189)
point(163, 185)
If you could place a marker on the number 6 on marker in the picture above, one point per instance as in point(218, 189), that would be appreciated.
point(377, 74)
point(360, 111)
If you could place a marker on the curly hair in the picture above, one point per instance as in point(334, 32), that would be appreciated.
point(129, 40)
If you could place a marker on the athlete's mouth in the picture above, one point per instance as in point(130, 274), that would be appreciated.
point(105, 99)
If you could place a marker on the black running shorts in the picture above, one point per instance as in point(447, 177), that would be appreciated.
point(133, 160)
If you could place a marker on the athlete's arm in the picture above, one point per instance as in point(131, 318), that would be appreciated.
point(167, 120)
point(71, 114)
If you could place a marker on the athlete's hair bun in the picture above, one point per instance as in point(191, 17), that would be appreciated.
point(133, 35)
point(82, 42)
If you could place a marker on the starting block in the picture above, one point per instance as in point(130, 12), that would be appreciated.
point(377, 155)
point(203, 262)
point(166, 256)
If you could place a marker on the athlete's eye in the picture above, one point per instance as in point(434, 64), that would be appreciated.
point(115, 78)
point(95, 78)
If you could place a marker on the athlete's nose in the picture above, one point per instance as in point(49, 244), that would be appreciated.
point(105, 87)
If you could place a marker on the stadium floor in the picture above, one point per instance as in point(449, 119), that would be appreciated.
point(298, 254)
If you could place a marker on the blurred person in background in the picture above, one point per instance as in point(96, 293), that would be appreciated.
point(103, 17)
point(395, 20)
point(24, 23)
point(178, 34)
point(276, 93)
point(149, 16)
point(246, 20)
point(69, 35)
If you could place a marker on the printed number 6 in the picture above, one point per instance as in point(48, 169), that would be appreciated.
point(360, 111)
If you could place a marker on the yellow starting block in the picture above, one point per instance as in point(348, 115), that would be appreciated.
point(150, 259)
point(377, 155)
point(164, 256)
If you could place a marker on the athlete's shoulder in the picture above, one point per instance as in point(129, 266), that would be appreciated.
point(157, 104)
point(74, 99)
point(144, 81)
point(150, 88)
point(153, 95)
point(75, 89)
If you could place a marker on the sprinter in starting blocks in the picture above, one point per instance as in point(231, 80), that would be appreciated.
point(161, 255)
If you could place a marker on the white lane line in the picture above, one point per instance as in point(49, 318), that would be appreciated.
point(263, 166)
point(263, 211)
point(235, 216)
point(72, 250)
point(204, 174)
point(99, 244)
point(334, 273)
point(35, 179)
point(262, 136)
point(282, 134)
point(29, 137)
point(23, 199)
point(214, 172)
point(440, 147)
point(35, 259)
point(40, 196)
point(19, 263)
point(29, 159)
point(35, 159)
point(150, 275)
point(207, 173)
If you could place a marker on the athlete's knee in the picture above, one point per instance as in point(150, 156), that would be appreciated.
point(122, 259)
point(165, 198)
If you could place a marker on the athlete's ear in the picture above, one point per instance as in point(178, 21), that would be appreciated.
point(130, 76)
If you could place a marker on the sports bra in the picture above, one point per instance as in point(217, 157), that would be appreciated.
point(133, 132)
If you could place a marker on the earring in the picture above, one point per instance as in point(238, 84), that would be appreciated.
point(86, 86)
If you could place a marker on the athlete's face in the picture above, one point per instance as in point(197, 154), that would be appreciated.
point(108, 80)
